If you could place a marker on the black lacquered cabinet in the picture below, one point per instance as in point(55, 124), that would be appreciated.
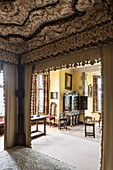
point(83, 103)
point(75, 102)
point(72, 102)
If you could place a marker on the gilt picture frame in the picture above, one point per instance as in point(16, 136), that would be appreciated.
point(54, 95)
point(68, 81)
point(90, 90)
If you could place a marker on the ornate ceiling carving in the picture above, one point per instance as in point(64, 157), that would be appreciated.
point(27, 25)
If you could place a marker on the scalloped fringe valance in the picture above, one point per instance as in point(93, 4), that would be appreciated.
point(91, 55)
point(95, 36)
point(8, 57)
point(74, 43)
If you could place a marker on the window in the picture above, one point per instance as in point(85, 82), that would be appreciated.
point(99, 82)
point(2, 107)
point(39, 93)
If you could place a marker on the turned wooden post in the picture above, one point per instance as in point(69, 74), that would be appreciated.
point(20, 137)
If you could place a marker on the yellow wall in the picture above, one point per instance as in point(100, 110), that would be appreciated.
point(96, 115)
point(54, 87)
point(57, 84)
point(60, 76)
point(77, 82)
point(62, 89)
point(89, 79)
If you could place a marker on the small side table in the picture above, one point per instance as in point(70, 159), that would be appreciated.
point(62, 123)
point(90, 133)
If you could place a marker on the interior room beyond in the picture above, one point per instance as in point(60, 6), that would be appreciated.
point(56, 95)
point(74, 100)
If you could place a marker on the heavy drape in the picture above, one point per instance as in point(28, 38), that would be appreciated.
point(34, 95)
point(27, 104)
point(11, 103)
point(108, 106)
point(45, 94)
point(90, 54)
point(95, 93)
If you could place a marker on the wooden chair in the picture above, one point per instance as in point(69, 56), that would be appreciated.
point(90, 121)
point(52, 113)
point(62, 121)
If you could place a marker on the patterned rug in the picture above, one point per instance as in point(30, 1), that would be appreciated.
point(21, 158)
point(79, 131)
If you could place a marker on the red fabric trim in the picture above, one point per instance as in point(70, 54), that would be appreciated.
point(1, 123)
point(50, 117)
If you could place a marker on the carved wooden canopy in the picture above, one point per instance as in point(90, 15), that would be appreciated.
point(38, 29)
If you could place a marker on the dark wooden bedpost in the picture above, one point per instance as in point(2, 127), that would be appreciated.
point(20, 137)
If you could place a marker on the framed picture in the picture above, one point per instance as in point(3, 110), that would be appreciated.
point(67, 102)
point(54, 95)
point(90, 90)
point(68, 81)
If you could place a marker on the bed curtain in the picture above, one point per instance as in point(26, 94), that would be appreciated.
point(27, 104)
point(108, 106)
point(11, 104)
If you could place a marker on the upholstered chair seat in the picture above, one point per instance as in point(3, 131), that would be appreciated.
point(52, 113)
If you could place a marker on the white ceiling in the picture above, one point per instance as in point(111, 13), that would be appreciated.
point(88, 68)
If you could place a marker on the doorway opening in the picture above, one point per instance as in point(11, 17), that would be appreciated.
point(85, 81)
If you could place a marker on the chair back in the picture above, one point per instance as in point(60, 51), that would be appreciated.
point(89, 119)
point(52, 109)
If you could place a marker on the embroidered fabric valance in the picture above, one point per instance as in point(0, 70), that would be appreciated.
point(90, 55)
